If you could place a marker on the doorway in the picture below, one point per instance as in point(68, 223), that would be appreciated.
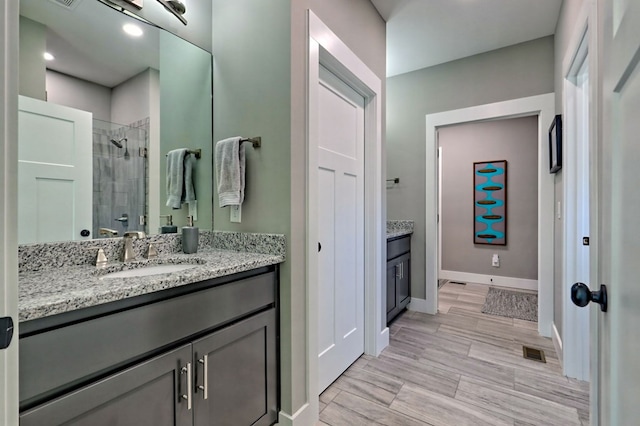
point(571, 328)
point(508, 261)
point(328, 51)
point(542, 106)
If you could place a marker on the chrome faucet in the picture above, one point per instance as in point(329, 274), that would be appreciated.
point(107, 232)
point(128, 254)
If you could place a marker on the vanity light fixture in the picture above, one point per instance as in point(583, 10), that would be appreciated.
point(132, 30)
point(176, 7)
point(48, 56)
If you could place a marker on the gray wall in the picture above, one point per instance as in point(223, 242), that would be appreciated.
point(130, 100)
point(32, 66)
point(564, 30)
point(65, 90)
point(259, 90)
point(514, 140)
point(513, 72)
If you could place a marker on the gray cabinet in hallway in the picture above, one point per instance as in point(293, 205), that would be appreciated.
point(398, 275)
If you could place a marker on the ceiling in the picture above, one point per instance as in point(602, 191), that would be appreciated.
point(88, 42)
point(423, 33)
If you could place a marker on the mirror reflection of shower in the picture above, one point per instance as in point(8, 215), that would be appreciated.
point(118, 143)
point(120, 176)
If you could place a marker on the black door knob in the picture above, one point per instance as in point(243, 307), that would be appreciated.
point(581, 296)
point(85, 233)
point(319, 246)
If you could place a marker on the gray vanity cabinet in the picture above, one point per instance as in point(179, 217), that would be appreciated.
point(398, 275)
point(144, 395)
point(240, 386)
point(207, 356)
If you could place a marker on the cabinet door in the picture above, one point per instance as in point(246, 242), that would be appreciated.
point(392, 305)
point(148, 394)
point(403, 283)
point(236, 374)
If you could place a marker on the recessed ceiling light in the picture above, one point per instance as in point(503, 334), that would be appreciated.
point(48, 56)
point(132, 30)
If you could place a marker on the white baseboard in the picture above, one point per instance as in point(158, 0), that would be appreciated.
point(494, 280)
point(418, 305)
point(383, 341)
point(557, 342)
point(303, 417)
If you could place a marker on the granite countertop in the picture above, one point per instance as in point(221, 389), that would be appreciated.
point(55, 291)
point(399, 228)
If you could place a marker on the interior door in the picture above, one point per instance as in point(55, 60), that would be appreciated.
point(618, 204)
point(8, 192)
point(340, 227)
point(55, 172)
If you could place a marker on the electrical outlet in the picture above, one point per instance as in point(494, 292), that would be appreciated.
point(495, 260)
point(235, 214)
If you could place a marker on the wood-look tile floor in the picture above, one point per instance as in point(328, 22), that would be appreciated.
point(459, 367)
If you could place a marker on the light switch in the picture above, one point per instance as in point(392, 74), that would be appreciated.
point(235, 214)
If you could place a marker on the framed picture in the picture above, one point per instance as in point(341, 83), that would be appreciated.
point(555, 145)
point(490, 202)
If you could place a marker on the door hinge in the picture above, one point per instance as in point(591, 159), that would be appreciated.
point(585, 241)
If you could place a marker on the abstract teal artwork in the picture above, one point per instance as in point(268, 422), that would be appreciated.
point(490, 202)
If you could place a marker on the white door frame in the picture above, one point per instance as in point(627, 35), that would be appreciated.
point(542, 106)
point(327, 49)
point(9, 14)
point(575, 328)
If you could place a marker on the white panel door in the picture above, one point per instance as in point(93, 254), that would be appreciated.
point(340, 227)
point(617, 207)
point(55, 172)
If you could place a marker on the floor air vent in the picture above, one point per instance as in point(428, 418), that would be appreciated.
point(533, 354)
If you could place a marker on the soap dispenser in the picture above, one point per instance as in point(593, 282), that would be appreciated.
point(169, 228)
point(190, 236)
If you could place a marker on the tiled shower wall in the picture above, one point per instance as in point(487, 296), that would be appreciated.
point(119, 180)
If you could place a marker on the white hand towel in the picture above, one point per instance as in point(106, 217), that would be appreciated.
point(175, 177)
point(230, 164)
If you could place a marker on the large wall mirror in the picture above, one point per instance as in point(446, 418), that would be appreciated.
point(98, 117)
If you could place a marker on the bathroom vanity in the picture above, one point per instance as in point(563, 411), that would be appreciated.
point(398, 267)
point(194, 347)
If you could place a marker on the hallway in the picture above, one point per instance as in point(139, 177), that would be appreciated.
point(460, 367)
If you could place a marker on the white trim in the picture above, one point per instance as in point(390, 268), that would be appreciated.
point(303, 417)
point(557, 343)
point(9, 18)
point(575, 320)
point(382, 341)
point(439, 205)
point(418, 305)
point(493, 280)
point(327, 49)
point(544, 107)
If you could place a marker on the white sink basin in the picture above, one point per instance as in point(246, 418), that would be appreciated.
point(149, 270)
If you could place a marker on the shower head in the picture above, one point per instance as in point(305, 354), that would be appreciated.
point(118, 143)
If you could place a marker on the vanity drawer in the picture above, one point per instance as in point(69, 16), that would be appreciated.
point(398, 246)
point(64, 358)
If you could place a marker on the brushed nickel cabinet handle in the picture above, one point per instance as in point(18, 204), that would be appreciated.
point(187, 370)
point(205, 375)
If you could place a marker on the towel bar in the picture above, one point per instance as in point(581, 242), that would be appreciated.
point(256, 142)
point(196, 152)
